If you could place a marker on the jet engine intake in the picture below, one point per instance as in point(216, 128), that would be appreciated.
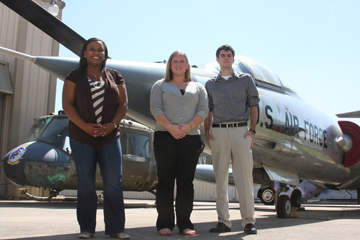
point(349, 142)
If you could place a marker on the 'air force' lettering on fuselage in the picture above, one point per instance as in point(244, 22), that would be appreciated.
point(292, 127)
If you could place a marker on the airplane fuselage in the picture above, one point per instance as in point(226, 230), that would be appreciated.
point(293, 136)
point(293, 140)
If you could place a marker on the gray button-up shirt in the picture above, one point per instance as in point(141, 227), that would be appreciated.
point(229, 100)
point(166, 98)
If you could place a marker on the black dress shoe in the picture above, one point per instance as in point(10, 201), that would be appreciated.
point(250, 229)
point(220, 228)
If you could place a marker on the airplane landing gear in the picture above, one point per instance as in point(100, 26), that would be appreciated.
point(296, 198)
point(283, 207)
point(283, 204)
point(266, 196)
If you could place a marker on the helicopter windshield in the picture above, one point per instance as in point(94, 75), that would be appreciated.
point(37, 127)
point(56, 134)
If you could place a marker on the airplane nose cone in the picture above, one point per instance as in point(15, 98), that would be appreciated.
point(37, 164)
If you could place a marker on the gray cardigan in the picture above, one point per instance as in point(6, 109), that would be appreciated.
point(166, 98)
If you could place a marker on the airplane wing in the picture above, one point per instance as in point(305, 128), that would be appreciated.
point(46, 22)
point(355, 114)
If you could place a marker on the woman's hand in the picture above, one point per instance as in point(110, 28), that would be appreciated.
point(185, 127)
point(105, 129)
point(176, 131)
point(92, 129)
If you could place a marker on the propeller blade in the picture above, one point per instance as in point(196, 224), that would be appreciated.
point(355, 114)
point(46, 22)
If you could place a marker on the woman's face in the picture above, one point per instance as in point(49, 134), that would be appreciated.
point(95, 53)
point(179, 65)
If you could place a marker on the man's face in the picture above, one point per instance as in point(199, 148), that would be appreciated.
point(225, 59)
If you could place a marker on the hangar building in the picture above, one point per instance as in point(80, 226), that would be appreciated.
point(26, 91)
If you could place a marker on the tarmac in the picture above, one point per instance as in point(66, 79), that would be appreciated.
point(25, 219)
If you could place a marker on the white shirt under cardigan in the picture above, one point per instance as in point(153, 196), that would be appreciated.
point(166, 98)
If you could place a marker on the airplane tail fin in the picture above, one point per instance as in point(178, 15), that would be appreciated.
point(355, 114)
point(350, 142)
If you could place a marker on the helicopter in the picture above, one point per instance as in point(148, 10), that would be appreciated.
point(45, 159)
point(294, 142)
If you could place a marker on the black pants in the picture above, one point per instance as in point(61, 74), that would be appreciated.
point(175, 159)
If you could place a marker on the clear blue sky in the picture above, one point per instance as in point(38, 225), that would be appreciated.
point(313, 46)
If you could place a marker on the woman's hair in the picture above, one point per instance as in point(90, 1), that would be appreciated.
point(83, 62)
point(169, 74)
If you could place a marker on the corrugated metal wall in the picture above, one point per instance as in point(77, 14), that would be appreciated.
point(8, 22)
point(34, 88)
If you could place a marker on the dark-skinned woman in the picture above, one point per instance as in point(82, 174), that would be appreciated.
point(95, 100)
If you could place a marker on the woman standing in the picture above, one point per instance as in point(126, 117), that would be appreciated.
point(95, 100)
point(179, 106)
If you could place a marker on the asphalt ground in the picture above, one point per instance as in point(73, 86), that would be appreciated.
point(25, 219)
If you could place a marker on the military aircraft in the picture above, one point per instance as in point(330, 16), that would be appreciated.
point(45, 159)
point(293, 143)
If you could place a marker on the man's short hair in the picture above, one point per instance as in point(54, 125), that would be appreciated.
point(226, 48)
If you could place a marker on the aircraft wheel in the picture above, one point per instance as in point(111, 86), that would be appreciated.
point(295, 198)
point(259, 193)
point(283, 206)
point(267, 196)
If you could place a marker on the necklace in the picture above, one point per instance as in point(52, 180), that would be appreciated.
point(93, 73)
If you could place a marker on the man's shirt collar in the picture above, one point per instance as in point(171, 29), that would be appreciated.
point(234, 74)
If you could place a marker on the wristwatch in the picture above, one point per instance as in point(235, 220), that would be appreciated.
point(253, 130)
point(115, 126)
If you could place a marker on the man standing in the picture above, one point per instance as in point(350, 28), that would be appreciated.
point(233, 99)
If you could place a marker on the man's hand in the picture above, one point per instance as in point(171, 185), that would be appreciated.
point(208, 137)
point(252, 135)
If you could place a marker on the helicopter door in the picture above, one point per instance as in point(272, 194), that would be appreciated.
point(135, 144)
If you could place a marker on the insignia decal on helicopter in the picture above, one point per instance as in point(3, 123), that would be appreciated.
point(14, 156)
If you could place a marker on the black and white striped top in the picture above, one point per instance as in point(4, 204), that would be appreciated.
point(97, 95)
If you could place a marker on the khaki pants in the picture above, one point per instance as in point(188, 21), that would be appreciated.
point(229, 144)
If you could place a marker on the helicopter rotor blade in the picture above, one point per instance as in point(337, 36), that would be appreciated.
point(42, 19)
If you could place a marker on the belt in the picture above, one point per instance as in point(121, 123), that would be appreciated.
point(229, 125)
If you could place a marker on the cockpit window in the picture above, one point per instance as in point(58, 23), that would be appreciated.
point(211, 65)
point(56, 133)
point(237, 66)
point(37, 127)
point(263, 76)
point(135, 147)
point(240, 67)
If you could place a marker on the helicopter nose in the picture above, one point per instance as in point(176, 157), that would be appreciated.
point(37, 164)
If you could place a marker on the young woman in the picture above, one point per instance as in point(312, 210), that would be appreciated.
point(95, 100)
point(179, 106)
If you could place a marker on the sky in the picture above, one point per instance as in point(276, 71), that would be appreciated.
point(312, 45)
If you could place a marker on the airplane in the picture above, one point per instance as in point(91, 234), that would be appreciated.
point(294, 142)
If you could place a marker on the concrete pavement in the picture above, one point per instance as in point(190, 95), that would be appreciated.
point(57, 220)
